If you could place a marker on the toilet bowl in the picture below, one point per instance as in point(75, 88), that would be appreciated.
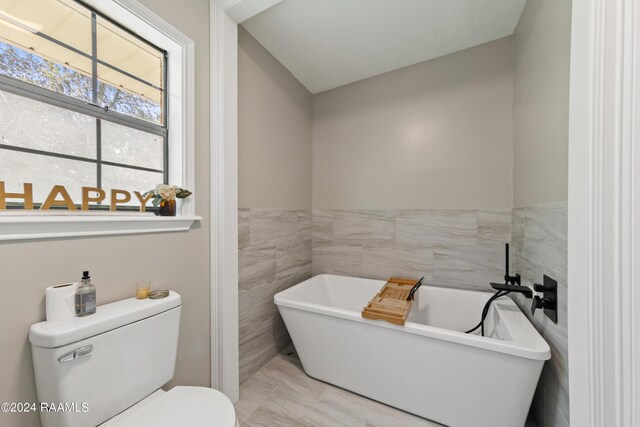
point(108, 369)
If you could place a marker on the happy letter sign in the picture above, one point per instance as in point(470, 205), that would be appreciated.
point(59, 196)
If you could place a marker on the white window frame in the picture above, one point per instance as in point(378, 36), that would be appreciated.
point(19, 225)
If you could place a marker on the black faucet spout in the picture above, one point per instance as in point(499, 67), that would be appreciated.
point(526, 291)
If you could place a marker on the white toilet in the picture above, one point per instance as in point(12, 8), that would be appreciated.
point(107, 369)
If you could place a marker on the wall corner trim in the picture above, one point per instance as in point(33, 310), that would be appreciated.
point(604, 225)
point(224, 203)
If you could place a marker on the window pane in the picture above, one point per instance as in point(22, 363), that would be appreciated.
point(128, 53)
point(133, 98)
point(58, 130)
point(44, 172)
point(130, 180)
point(132, 83)
point(122, 144)
point(63, 20)
point(72, 79)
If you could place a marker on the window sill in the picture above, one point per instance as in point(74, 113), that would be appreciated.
point(25, 227)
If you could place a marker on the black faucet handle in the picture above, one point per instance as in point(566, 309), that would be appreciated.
point(549, 300)
point(536, 303)
point(546, 303)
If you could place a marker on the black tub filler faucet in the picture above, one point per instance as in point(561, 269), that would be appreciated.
point(549, 300)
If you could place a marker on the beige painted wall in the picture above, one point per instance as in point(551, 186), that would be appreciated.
point(541, 102)
point(179, 261)
point(274, 131)
point(433, 135)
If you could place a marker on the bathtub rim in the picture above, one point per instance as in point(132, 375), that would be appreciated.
point(526, 341)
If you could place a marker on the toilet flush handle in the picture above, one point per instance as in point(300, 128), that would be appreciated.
point(78, 352)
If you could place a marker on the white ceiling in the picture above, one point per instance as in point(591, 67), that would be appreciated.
point(330, 43)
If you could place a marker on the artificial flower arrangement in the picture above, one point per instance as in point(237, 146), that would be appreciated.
point(165, 194)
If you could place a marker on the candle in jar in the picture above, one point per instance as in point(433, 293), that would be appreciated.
point(143, 289)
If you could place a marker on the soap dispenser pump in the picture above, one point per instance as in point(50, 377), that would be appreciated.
point(85, 296)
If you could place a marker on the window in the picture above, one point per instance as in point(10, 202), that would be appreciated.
point(66, 113)
point(83, 101)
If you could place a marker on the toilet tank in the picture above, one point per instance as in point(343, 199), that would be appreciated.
point(89, 369)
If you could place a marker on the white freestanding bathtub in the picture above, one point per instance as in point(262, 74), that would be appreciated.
point(429, 366)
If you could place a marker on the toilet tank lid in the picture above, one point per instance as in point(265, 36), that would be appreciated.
point(107, 317)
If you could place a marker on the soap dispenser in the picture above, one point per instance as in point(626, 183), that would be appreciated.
point(85, 296)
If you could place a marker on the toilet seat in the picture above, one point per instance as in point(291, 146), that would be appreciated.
point(180, 406)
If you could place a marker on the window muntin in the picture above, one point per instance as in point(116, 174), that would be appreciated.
point(126, 135)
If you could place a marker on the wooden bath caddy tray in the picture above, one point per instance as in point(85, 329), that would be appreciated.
point(392, 303)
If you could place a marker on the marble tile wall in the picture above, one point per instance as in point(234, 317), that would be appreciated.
point(455, 248)
point(539, 236)
point(274, 253)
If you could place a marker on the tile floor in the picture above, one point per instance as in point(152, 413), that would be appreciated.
point(280, 394)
